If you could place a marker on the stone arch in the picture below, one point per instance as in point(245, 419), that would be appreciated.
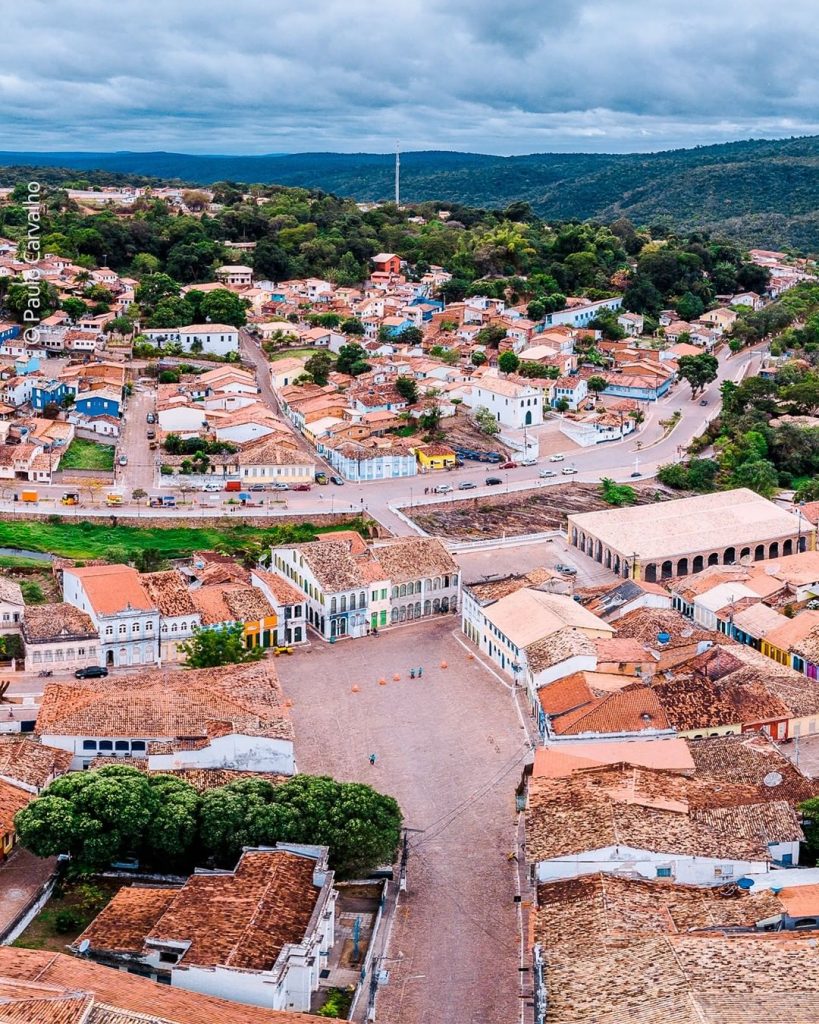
point(773, 550)
point(745, 553)
point(667, 569)
point(802, 544)
point(608, 559)
point(574, 536)
point(650, 573)
point(713, 558)
point(729, 556)
point(698, 563)
point(682, 567)
point(616, 565)
point(759, 552)
point(787, 547)
point(598, 551)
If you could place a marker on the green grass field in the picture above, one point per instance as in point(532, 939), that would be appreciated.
point(82, 454)
point(289, 353)
point(86, 540)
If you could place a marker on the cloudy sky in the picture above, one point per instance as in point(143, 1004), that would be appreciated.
point(493, 76)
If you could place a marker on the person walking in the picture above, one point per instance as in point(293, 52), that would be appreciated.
point(372, 758)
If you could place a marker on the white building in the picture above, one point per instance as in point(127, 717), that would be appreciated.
point(654, 824)
point(200, 718)
point(513, 404)
point(235, 276)
point(120, 608)
point(12, 606)
point(289, 604)
point(215, 339)
point(260, 934)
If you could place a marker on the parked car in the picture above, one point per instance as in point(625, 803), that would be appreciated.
point(279, 486)
point(91, 672)
point(528, 462)
point(257, 487)
point(301, 487)
point(321, 478)
point(509, 465)
point(547, 472)
point(568, 470)
point(493, 480)
point(567, 570)
point(557, 458)
point(442, 489)
point(467, 485)
point(336, 480)
point(123, 460)
point(212, 486)
point(150, 418)
point(151, 435)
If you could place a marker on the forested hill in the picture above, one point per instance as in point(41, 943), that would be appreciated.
point(762, 192)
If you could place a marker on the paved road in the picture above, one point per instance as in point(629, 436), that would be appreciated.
point(450, 748)
point(141, 469)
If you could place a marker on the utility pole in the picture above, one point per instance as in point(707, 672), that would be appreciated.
point(397, 175)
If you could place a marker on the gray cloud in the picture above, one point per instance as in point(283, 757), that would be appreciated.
point(256, 76)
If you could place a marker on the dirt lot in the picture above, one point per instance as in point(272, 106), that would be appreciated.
point(520, 512)
point(450, 748)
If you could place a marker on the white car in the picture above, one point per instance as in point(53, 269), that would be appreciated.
point(548, 472)
point(529, 462)
point(212, 487)
point(569, 470)
point(443, 489)
point(557, 458)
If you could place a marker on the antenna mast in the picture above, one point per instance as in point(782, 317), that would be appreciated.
point(397, 176)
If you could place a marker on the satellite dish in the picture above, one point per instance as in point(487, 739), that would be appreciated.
point(84, 946)
point(772, 779)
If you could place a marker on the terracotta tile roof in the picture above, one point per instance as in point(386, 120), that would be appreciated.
point(283, 591)
point(652, 810)
point(645, 624)
point(10, 592)
point(487, 591)
point(157, 704)
point(620, 649)
point(111, 588)
point(602, 906)
point(334, 566)
point(235, 602)
point(239, 919)
point(114, 997)
point(632, 709)
point(560, 645)
point(12, 800)
point(414, 558)
point(25, 761)
point(167, 592)
point(44, 622)
point(752, 759)
point(701, 703)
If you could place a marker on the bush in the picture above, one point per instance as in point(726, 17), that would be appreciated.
point(67, 921)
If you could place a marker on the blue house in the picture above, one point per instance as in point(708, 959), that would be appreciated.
point(641, 388)
point(24, 365)
point(8, 331)
point(43, 392)
point(104, 402)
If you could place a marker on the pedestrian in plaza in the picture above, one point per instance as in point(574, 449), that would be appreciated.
point(412, 673)
point(420, 671)
point(372, 758)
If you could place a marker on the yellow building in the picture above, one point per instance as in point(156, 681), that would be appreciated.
point(435, 456)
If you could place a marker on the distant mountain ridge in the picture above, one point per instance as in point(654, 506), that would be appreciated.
point(760, 191)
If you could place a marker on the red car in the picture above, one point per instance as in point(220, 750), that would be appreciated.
point(300, 487)
point(509, 465)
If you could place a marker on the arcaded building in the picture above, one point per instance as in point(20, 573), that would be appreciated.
point(673, 538)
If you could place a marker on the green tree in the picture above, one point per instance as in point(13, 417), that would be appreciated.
point(563, 404)
point(690, 306)
point(352, 325)
point(810, 826)
point(349, 356)
point(212, 646)
point(760, 476)
point(407, 389)
point(173, 311)
point(153, 288)
point(698, 370)
point(486, 421)
point(270, 260)
point(224, 307)
point(320, 365)
point(477, 358)
point(597, 384)
point(361, 827)
point(508, 361)
point(617, 494)
point(30, 302)
point(93, 816)
point(536, 310)
point(75, 308)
